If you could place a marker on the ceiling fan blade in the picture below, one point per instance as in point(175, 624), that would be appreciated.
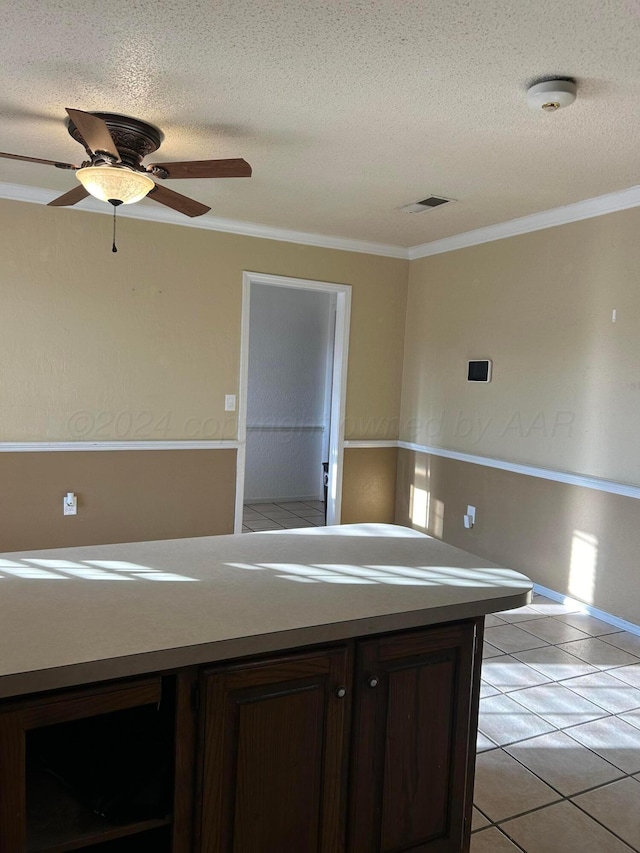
point(72, 197)
point(94, 131)
point(38, 160)
point(178, 202)
point(237, 168)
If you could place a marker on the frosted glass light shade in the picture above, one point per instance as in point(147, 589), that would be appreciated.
point(114, 182)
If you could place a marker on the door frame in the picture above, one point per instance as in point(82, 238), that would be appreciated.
point(338, 390)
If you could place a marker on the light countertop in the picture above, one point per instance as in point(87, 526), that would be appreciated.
point(76, 615)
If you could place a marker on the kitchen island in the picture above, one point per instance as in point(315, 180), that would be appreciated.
point(308, 690)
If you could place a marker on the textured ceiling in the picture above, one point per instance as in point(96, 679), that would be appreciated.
point(346, 109)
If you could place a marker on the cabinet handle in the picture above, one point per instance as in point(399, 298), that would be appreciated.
point(341, 692)
point(373, 681)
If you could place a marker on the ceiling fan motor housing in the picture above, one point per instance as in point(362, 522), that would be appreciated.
point(133, 138)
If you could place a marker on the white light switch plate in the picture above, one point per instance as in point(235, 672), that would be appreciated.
point(229, 402)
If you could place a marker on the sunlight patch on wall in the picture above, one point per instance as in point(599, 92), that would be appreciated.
point(583, 565)
point(425, 512)
point(419, 507)
point(419, 495)
point(437, 519)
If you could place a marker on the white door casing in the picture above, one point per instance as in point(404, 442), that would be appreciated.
point(338, 390)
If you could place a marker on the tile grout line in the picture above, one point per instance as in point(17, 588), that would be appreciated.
point(500, 824)
point(578, 660)
point(606, 711)
point(561, 797)
point(623, 775)
point(281, 526)
point(584, 811)
point(512, 840)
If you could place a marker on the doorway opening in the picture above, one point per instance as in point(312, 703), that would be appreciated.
point(291, 401)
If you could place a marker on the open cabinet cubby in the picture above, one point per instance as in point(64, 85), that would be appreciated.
point(98, 769)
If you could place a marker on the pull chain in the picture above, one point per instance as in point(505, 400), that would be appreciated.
point(114, 248)
point(116, 203)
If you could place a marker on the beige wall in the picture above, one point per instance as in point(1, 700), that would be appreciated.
point(565, 395)
point(145, 344)
point(369, 485)
point(565, 392)
point(581, 542)
point(123, 496)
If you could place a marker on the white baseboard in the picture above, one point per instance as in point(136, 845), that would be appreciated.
point(602, 615)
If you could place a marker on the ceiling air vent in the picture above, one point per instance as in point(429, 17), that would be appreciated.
point(426, 204)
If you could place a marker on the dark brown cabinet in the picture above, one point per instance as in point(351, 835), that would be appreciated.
point(275, 749)
point(362, 747)
point(287, 766)
point(411, 736)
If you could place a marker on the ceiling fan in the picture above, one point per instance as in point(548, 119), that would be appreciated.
point(116, 146)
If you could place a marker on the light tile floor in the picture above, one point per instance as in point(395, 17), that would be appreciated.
point(558, 766)
point(282, 516)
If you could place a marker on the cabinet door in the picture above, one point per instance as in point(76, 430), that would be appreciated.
point(410, 775)
point(275, 755)
point(12, 782)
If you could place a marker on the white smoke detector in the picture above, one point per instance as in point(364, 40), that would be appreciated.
point(551, 95)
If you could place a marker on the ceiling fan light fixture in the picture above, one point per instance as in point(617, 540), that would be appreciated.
point(118, 183)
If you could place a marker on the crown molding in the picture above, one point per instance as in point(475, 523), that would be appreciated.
point(159, 213)
point(586, 209)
